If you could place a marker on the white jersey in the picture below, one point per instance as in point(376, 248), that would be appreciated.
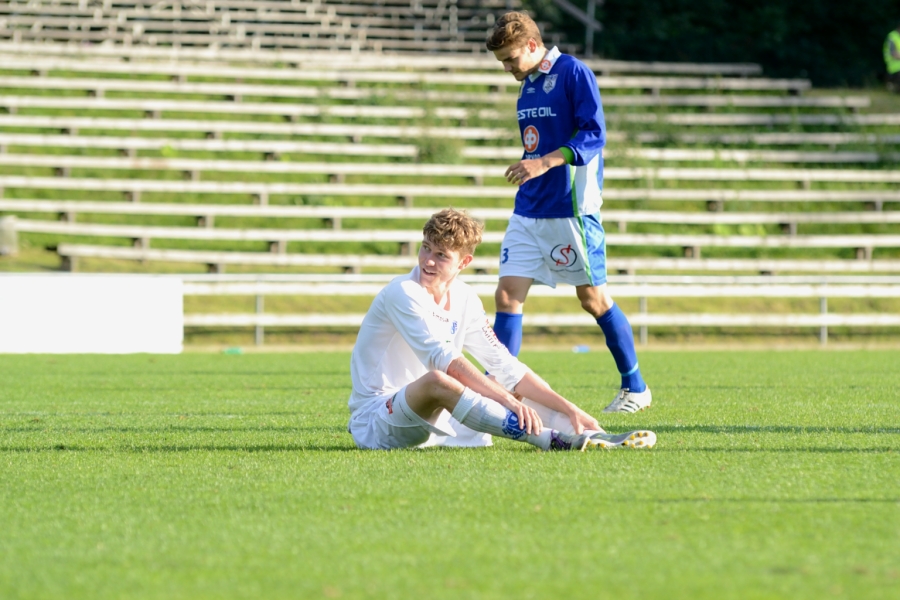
point(405, 335)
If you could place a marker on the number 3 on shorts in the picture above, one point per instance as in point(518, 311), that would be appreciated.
point(504, 256)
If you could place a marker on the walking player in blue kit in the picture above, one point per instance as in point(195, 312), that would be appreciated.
point(555, 233)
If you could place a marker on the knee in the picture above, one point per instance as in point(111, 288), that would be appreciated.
point(597, 304)
point(440, 380)
point(505, 302)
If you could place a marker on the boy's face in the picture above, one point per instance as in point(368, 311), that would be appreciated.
point(521, 61)
point(439, 265)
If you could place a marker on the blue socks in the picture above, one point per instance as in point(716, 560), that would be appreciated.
point(508, 327)
point(620, 341)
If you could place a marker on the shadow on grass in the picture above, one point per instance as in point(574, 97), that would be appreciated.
point(767, 500)
point(175, 448)
point(177, 429)
point(298, 447)
point(744, 429)
point(186, 428)
point(807, 450)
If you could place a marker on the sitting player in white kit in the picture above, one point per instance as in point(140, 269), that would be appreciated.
point(412, 385)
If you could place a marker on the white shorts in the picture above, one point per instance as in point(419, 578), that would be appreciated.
point(388, 423)
point(550, 251)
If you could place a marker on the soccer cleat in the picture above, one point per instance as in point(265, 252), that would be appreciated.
point(632, 439)
point(566, 441)
point(627, 401)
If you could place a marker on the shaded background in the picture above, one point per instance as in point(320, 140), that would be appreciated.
point(834, 43)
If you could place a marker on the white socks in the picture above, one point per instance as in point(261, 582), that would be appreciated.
point(481, 414)
point(555, 420)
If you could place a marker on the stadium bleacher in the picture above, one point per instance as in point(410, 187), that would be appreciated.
point(221, 134)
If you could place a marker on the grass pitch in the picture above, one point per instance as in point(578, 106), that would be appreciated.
point(777, 475)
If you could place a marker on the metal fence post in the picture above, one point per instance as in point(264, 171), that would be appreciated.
point(260, 331)
point(9, 236)
point(643, 309)
point(823, 331)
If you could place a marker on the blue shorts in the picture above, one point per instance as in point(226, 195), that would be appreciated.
point(570, 250)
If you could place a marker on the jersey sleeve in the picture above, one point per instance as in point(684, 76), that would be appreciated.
point(419, 327)
point(482, 343)
point(590, 134)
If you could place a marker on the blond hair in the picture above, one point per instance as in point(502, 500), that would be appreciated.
point(513, 29)
point(453, 230)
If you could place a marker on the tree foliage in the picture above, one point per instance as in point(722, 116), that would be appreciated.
point(835, 43)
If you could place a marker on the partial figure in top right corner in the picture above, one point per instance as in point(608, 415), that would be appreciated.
point(892, 60)
point(555, 234)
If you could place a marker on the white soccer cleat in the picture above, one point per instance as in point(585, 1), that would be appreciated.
point(570, 442)
point(627, 401)
point(632, 439)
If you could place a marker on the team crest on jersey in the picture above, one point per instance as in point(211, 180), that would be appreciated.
point(454, 326)
point(549, 83)
point(531, 138)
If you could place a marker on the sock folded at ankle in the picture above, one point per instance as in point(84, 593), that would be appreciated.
point(620, 341)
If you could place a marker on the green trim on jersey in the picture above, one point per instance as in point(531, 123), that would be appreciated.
point(567, 154)
point(580, 217)
point(585, 249)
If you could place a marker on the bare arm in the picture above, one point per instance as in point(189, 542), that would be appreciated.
point(465, 372)
point(529, 168)
point(534, 388)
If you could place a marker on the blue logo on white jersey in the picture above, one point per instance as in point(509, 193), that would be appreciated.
point(454, 326)
point(511, 426)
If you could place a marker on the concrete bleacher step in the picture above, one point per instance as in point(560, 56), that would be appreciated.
point(411, 237)
point(485, 80)
point(260, 38)
point(335, 215)
point(269, 146)
point(219, 260)
point(155, 107)
point(216, 56)
point(273, 147)
point(213, 128)
point(261, 192)
point(23, 52)
point(475, 171)
point(358, 132)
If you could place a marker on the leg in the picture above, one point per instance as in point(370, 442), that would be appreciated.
point(521, 265)
point(634, 394)
point(510, 301)
point(437, 391)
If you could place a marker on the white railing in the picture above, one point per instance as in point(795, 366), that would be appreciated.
point(643, 288)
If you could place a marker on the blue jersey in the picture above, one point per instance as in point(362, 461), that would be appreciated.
point(559, 105)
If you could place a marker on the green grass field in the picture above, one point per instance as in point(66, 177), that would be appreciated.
point(777, 475)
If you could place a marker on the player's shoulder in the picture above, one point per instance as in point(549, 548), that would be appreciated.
point(402, 285)
point(461, 287)
point(570, 65)
point(466, 297)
